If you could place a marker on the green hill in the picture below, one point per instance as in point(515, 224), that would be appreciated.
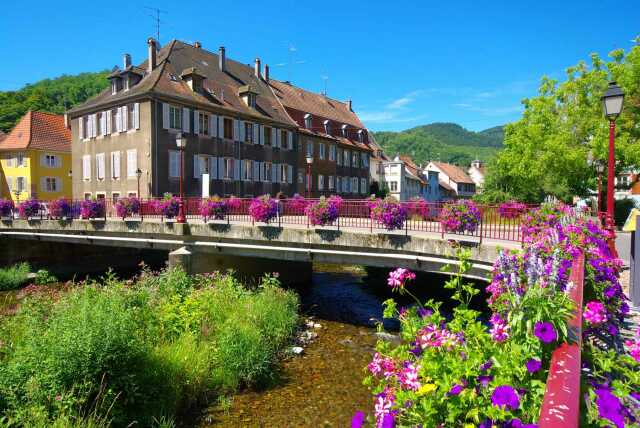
point(51, 95)
point(448, 142)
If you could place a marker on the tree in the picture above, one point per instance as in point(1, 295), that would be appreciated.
point(545, 152)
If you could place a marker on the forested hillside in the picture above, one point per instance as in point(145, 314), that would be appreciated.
point(448, 142)
point(50, 95)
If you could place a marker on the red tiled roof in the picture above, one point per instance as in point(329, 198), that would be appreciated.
point(39, 130)
point(412, 167)
point(454, 172)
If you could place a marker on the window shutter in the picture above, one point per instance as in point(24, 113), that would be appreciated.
point(273, 137)
point(118, 119)
point(289, 140)
point(290, 174)
point(261, 135)
point(58, 161)
point(165, 115)
point(95, 125)
point(236, 169)
point(108, 127)
point(42, 160)
point(136, 116)
point(196, 122)
point(86, 167)
point(220, 167)
point(115, 164)
point(255, 176)
point(196, 166)
point(243, 131)
point(185, 119)
point(220, 127)
point(81, 128)
point(132, 163)
point(43, 184)
point(274, 172)
point(103, 123)
point(213, 126)
point(213, 168)
point(242, 169)
point(235, 133)
point(125, 118)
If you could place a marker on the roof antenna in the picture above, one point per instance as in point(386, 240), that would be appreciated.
point(156, 18)
point(325, 78)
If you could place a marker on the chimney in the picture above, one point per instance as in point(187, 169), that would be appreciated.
point(66, 120)
point(349, 104)
point(257, 68)
point(151, 64)
point(222, 59)
point(126, 61)
point(197, 45)
point(266, 73)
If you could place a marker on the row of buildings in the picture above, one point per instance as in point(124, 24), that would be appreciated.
point(243, 133)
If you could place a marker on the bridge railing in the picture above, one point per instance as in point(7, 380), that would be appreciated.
point(353, 213)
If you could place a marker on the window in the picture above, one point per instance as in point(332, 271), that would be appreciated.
point(100, 166)
point(339, 184)
point(126, 83)
point(346, 157)
point(345, 132)
point(21, 184)
point(248, 132)
point(51, 161)
point(310, 148)
point(307, 121)
point(364, 158)
point(203, 123)
point(393, 186)
point(331, 182)
point(115, 165)
point(284, 139)
point(354, 184)
point(86, 167)
point(363, 185)
point(132, 162)
point(300, 177)
point(87, 196)
point(361, 135)
point(320, 182)
point(51, 184)
point(284, 173)
point(267, 136)
point(20, 160)
point(266, 171)
point(174, 164)
point(227, 170)
point(228, 128)
point(339, 157)
point(354, 159)
point(114, 87)
point(131, 119)
point(115, 196)
point(327, 127)
point(175, 117)
point(332, 153)
point(247, 172)
point(115, 118)
point(321, 148)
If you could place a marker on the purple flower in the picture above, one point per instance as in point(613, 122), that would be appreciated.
point(484, 380)
point(506, 397)
point(456, 389)
point(399, 277)
point(499, 330)
point(545, 332)
point(609, 407)
point(357, 420)
point(533, 365)
point(423, 312)
point(486, 366)
point(388, 421)
point(595, 313)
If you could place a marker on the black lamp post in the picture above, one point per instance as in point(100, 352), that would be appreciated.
point(181, 143)
point(612, 105)
point(138, 175)
point(309, 162)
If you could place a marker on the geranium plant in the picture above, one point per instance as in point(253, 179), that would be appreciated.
point(126, 207)
point(92, 209)
point(29, 208)
point(60, 208)
point(325, 211)
point(263, 208)
point(512, 209)
point(214, 207)
point(6, 207)
point(388, 212)
point(460, 216)
point(168, 206)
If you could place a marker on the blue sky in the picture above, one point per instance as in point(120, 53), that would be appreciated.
point(403, 63)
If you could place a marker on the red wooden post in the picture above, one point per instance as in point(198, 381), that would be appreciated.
point(561, 404)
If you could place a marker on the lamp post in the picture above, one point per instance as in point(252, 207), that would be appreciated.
point(181, 143)
point(612, 106)
point(309, 162)
point(17, 193)
point(599, 170)
point(138, 175)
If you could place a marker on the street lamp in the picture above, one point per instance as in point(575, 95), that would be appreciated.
point(309, 162)
point(612, 106)
point(138, 175)
point(181, 143)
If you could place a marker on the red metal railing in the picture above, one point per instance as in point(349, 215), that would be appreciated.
point(422, 216)
point(561, 405)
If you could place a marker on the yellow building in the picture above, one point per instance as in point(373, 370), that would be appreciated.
point(35, 159)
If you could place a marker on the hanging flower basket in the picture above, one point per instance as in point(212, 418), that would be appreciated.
point(263, 209)
point(60, 208)
point(127, 207)
point(388, 212)
point(29, 208)
point(460, 217)
point(324, 212)
point(92, 209)
point(512, 209)
point(214, 208)
point(6, 208)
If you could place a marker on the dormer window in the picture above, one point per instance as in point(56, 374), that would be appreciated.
point(126, 83)
point(114, 86)
point(307, 121)
point(193, 78)
point(248, 95)
point(327, 127)
point(345, 134)
point(361, 135)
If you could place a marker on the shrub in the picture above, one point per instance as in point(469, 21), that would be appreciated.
point(460, 216)
point(14, 276)
point(388, 212)
point(6, 207)
point(44, 277)
point(263, 208)
point(29, 208)
point(126, 207)
point(512, 209)
point(91, 208)
point(59, 208)
point(325, 211)
point(214, 207)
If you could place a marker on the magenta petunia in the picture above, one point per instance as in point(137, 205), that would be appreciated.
point(505, 396)
point(533, 365)
point(545, 332)
point(595, 312)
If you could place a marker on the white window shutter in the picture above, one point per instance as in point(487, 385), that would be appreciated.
point(242, 168)
point(108, 127)
point(185, 119)
point(43, 158)
point(220, 128)
point(95, 125)
point(213, 126)
point(213, 167)
point(261, 135)
point(136, 116)
point(242, 130)
point(196, 166)
point(86, 167)
point(289, 174)
point(58, 161)
point(236, 169)
point(220, 167)
point(235, 130)
point(103, 123)
point(115, 159)
point(289, 140)
point(165, 115)
point(274, 173)
point(196, 122)
point(132, 163)
point(125, 118)
point(80, 128)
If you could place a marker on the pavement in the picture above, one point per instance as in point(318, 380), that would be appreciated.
point(623, 245)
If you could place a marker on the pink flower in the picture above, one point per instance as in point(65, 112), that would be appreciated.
point(595, 312)
point(399, 277)
point(408, 376)
point(499, 330)
point(382, 365)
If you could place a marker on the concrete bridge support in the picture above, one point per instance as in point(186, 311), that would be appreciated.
point(247, 269)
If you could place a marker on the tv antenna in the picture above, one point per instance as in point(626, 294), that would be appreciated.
point(325, 78)
point(156, 18)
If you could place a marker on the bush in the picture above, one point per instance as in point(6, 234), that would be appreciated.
point(44, 277)
point(136, 351)
point(14, 276)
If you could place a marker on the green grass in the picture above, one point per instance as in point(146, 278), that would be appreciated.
point(112, 353)
point(14, 276)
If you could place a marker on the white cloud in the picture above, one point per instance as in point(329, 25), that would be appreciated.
point(403, 101)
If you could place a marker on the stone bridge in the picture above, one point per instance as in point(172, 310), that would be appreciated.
point(252, 249)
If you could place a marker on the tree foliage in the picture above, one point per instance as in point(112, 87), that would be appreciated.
point(50, 95)
point(545, 152)
point(448, 142)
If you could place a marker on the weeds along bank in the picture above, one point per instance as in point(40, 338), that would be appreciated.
point(143, 351)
